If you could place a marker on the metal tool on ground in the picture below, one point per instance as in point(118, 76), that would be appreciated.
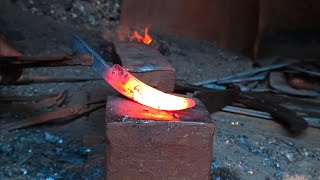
point(247, 73)
point(217, 100)
point(69, 112)
point(313, 122)
point(11, 67)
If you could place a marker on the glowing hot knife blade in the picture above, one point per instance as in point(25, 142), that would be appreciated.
point(126, 84)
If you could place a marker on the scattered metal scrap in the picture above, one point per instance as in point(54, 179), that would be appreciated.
point(217, 100)
point(293, 114)
point(247, 73)
point(313, 122)
point(41, 104)
point(66, 113)
point(63, 113)
point(279, 113)
point(23, 80)
point(11, 68)
point(255, 89)
point(13, 62)
point(31, 103)
point(278, 81)
point(292, 77)
point(45, 61)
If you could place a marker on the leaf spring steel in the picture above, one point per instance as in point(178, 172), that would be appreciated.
point(129, 86)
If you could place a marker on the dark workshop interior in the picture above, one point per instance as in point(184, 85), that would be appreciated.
point(162, 89)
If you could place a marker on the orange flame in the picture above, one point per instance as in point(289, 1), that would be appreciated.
point(131, 87)
point(146, 39)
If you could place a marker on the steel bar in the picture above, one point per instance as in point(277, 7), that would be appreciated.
point(313, 122)
point(62, 113)
point(34, 105)
point(46, 79)
point(240, 80)
point(214, 86)
point(246, 73)
point(314, 73)
point(245, 111)
point(45, 61)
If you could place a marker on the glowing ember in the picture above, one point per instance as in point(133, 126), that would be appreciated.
point(146, 39)
point(131, 87)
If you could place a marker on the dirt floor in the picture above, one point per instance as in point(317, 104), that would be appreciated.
point(244, 147)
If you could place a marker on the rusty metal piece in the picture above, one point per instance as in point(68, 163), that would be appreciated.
point(144, 143)
point(22, 104)
point(304, 81)
point(62, 113)
point(147, 64)
point(49, 102)
point(27, 98)
point(46, 61)
point(11, 67)
point(46, 79)
point(299, 83)
point(287, 117)
point(12, 62)
point(278, 81)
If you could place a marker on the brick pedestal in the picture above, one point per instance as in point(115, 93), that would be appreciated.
point(145, 143)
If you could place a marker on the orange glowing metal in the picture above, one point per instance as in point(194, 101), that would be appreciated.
point(146, 39)
point(131, 87)
point(128, 85)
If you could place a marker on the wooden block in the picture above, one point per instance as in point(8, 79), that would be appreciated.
point(147, 64)
point(145, 143)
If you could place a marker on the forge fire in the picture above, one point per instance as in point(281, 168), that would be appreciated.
point(134, 89)
point(146, 39)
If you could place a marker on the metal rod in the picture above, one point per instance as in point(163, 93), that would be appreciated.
point(255, 78)
point(246, 73)
point(305, 71)
point(313, 122)
point(46, 79)
point(214, 86)
point(249, 112)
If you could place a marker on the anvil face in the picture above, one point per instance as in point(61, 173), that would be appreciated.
point(122, 109)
